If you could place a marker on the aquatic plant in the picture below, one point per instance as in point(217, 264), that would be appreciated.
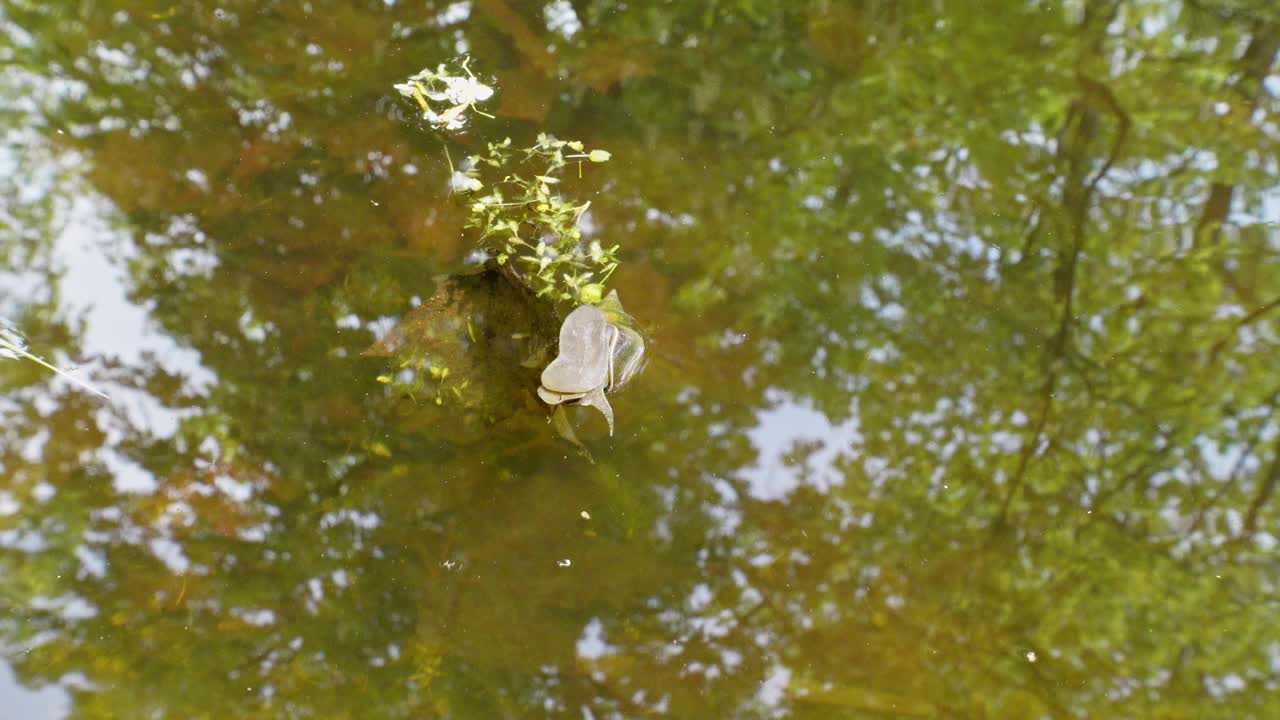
point(446, 94)
point(525, 224)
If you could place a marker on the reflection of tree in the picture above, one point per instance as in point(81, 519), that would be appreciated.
point(1031, 266)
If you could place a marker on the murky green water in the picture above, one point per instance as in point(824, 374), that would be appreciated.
point(963, 399)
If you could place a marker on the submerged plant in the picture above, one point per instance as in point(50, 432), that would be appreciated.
point(531, 232)
point(14, 347)
point(524, 222)
point(513, 200)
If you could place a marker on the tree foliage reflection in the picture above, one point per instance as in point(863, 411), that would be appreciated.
point(1023, 257)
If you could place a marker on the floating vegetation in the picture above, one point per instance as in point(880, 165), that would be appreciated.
point(600, 352)
point(445, 94)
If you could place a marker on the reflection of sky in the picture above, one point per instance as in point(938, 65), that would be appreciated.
point(47, 703)
point(93, 291)
point(94, 287)
point(781, 427)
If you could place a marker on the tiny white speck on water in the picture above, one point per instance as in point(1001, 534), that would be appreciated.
point(564, 563)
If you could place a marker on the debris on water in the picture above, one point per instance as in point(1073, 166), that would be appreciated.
point(446, 93)
point(14, 346)
point(600, 351)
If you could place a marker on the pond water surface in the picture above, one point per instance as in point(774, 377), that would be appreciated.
point(962, 399)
